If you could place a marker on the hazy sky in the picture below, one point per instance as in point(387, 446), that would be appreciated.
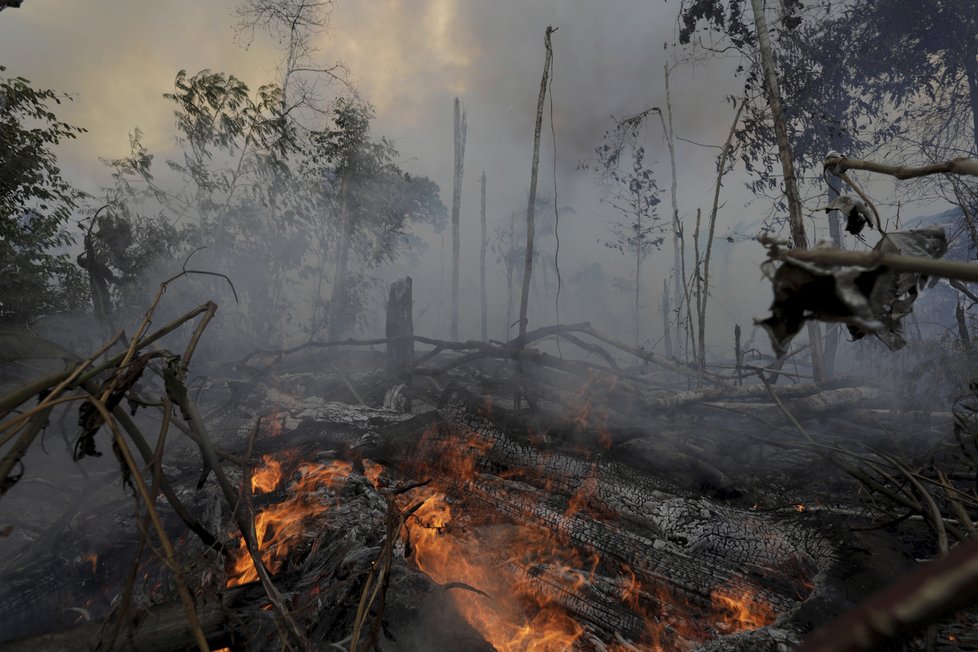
point(410, 58)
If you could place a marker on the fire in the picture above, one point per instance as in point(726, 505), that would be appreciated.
point(281, 526)
point(522, 587)
point(739, 612)
point(799, 508)
point(373, 472)
point(447, 555)
point(267, 477)
point(92, 558)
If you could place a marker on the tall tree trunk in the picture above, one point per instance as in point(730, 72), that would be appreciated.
point(666, 317)
point(705, 294)
point(638, 278)
point(510, 274)
point(339, 304)
point(531, 202)
point(971, 71)
point(678, 271)
point(833, 332)
point(795, 218)
point(482, 263)
point(460, 129)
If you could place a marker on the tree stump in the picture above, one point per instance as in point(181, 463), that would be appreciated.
point(400, 329)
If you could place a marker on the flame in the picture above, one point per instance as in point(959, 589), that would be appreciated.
point(799, 508)
point(526, 572)
point(517, 585)
point(267, 477)
point(736, 612)
point(281, 526)
point(373, 472)
point(92, 558)
point(531, 623)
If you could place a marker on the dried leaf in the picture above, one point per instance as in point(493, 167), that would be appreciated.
point(855, 211)
point(868, 300)
point(90, 419)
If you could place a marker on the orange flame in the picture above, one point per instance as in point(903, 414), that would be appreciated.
point(373, 472)
point(267, 477)
point(281, 526)
point(737, 612)
point(449, 556)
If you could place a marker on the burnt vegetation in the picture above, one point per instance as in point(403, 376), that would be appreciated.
point(227, 421)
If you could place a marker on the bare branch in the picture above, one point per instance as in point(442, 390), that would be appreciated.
point(838, 164)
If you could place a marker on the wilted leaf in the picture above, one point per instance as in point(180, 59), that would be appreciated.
point(855, 211)
point(90, 419)
point(867, 299)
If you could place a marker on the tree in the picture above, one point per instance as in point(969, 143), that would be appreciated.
point(293, 24)
point(37, 276)
point(458, 171)
point(630, 189)
point(767, 117)
point(236, 193)
point(373, 202)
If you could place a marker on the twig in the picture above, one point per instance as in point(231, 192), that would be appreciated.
point(55, 393)
point(125, 602)
point(244, 523)
point(10, 401)
point(171, 561)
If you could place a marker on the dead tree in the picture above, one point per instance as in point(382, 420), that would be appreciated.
point(678, 272)
point(460, 129)
point(531, 201)
point(795, 219)
point(701, 297)
point(482, 263)
point(400, 328)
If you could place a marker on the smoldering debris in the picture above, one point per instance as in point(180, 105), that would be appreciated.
point(541, 514)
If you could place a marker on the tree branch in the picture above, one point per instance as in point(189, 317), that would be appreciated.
point(838, 164)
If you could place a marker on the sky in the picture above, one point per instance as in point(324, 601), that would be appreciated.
point(410, 59)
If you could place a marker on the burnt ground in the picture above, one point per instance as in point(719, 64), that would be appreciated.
point(70, 534)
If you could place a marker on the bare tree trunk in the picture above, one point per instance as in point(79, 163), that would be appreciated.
point(787, 165)
point(482, 263)
point(531, 201)
point(963, 333)
point(705, 294)
point(400, 328)
point(694, 315)
point(738, 355)
point(666, 318)
point(678, 270)
point(339, 300)
point(971, 71)
point(638, 274)
point(460, 129)
point(510, 273)
point(833, 332)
